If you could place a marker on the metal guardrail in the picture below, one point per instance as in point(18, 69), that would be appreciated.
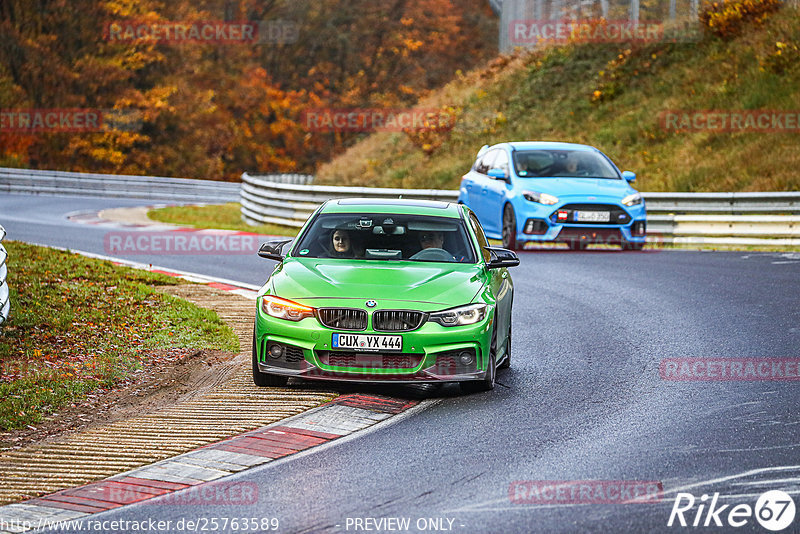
point(288, 200)
point(681, 218)
point(109, 185)
point(727, 203)
point(725, 218)
point(266, 201)
point(5, 299)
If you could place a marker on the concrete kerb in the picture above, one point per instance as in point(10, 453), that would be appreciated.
point(343, 417)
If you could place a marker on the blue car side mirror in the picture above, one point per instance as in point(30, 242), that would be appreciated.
point(629, 176)
point(498, 173)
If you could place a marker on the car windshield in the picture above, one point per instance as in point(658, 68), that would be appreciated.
point(566, 163)
point(388, 236)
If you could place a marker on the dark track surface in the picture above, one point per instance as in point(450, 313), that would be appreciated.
point(582, 401)
point(41, 219)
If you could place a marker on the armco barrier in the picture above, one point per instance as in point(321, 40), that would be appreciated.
point(5, 299)
point(288, 200)
point(681, 218)
point(109, 185)
point(267, 201)
point(725, 218)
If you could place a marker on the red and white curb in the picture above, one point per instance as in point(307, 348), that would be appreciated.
point(239, 288)
point(93, 218)
point(341, 417)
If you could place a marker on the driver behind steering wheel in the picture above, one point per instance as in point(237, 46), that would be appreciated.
point(431, 239)
point(577, 165)
point(432, 243)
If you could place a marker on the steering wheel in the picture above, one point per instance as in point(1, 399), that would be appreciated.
point(433, 254)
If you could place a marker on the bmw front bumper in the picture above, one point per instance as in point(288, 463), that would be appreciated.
point(431, 353)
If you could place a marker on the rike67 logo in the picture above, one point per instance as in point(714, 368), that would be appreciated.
point(774, 510)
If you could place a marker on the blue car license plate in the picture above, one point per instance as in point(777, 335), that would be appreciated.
point(592, 216)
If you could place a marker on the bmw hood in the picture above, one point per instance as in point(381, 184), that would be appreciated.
point(333, 282)
point(582, 187)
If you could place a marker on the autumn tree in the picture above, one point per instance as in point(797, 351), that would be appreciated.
point(213, 110)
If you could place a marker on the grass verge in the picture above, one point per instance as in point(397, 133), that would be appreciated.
point(79, 325)
point(221, 216)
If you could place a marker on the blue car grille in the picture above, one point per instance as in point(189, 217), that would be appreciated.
point(617, 214)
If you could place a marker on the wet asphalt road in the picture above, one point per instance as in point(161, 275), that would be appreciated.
point(582, 401)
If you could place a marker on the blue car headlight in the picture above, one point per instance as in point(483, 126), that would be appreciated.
point(541, 198)
point(632, 200)
point(463, 315)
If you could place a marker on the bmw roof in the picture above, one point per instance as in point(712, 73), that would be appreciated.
point(392, 205)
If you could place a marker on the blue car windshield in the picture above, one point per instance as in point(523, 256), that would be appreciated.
point(381, 237)
point(563, 163)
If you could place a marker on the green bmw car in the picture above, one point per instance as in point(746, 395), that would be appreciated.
point(385, 290)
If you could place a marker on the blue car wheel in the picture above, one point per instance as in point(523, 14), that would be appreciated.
point(509, 228)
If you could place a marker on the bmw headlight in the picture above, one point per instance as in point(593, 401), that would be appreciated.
point(285, 309)
point(463, 315)
point(632, 200)
point(541, 198)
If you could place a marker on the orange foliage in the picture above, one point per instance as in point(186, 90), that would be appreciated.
point(213, 110)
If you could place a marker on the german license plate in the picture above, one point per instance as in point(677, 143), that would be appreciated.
point(367, 342)
point(592, 216)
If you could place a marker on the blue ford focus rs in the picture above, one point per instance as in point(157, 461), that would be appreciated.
point(553, 192)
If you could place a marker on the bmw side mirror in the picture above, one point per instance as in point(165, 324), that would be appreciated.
point(272, 250)
point(629, 176)
point(502, 257)
point(498, 173)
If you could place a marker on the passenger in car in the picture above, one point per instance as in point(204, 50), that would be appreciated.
point(341, 245)
point(527, 167)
